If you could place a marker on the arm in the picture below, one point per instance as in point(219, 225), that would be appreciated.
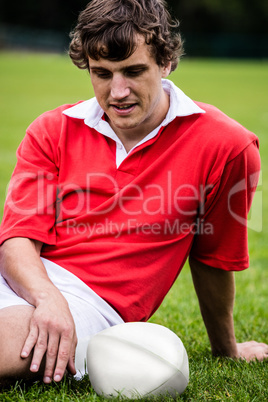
point(215, 289)
point(52, 329)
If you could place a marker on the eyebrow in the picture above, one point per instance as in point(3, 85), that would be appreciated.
point(141, 66)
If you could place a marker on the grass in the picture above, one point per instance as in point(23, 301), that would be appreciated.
point(33, 83)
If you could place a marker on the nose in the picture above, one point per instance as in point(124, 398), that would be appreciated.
point(119, 87)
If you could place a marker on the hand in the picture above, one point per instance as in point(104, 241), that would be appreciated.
point(52, 334)
point(252, 351)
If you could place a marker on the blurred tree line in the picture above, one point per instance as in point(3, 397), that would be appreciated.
point(229, 16)
point(212, 16)
point(205, 24)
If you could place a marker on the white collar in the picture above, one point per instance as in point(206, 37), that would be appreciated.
point(91, 112)
point(180, 105)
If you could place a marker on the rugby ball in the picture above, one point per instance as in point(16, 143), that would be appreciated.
point(137, 359)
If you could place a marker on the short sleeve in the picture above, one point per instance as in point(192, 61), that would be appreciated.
point(221, 240)
point(30, 204)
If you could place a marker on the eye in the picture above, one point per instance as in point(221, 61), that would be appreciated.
point(135, 72)
point(103, 74)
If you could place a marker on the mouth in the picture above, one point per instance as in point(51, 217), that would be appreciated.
point(124, 109)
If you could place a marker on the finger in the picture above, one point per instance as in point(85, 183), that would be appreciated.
point(71, 364)
point(51, 357)
point(39, 351)
point(64, 355)
point(30, 342)
point(264, 351)
point(260, 352)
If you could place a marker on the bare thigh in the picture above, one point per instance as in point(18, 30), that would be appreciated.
point(14, 328)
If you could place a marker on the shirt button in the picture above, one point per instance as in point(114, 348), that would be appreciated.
point(119, 146)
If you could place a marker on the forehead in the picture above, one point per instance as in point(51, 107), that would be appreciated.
point(141, 55)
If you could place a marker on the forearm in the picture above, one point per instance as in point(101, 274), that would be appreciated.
point(52, 328)
point(23, 269)
point(216, 293)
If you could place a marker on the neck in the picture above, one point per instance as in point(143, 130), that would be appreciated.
point(132, 136)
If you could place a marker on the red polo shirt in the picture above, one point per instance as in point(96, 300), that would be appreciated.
point(127, 231)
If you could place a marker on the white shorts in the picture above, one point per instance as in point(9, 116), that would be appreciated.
point(90, 312)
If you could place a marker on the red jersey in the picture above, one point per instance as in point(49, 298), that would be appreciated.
point(127, 232)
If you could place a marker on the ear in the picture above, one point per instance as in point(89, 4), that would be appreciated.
point(166, 70)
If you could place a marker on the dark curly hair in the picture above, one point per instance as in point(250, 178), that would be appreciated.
point(109, 28)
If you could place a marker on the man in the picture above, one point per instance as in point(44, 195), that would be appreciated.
point(115, 193)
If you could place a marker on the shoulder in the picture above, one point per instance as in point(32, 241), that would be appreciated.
point(222, 133)
point(52, 119)
point(45, 133)
point(49, 129)
point(221, 126)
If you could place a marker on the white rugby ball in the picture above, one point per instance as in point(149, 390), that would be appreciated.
point(137, 359)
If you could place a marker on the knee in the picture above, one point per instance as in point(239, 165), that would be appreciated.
point(13, 332)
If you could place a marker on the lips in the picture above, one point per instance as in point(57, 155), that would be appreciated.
point(124, 109)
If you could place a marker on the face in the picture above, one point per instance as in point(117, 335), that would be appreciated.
point(130, 92)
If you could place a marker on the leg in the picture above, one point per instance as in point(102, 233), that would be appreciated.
point(14, 329)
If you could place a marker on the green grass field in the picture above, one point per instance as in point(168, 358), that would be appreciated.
point(31, 84)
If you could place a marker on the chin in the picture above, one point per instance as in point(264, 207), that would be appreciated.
point(124, 125)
